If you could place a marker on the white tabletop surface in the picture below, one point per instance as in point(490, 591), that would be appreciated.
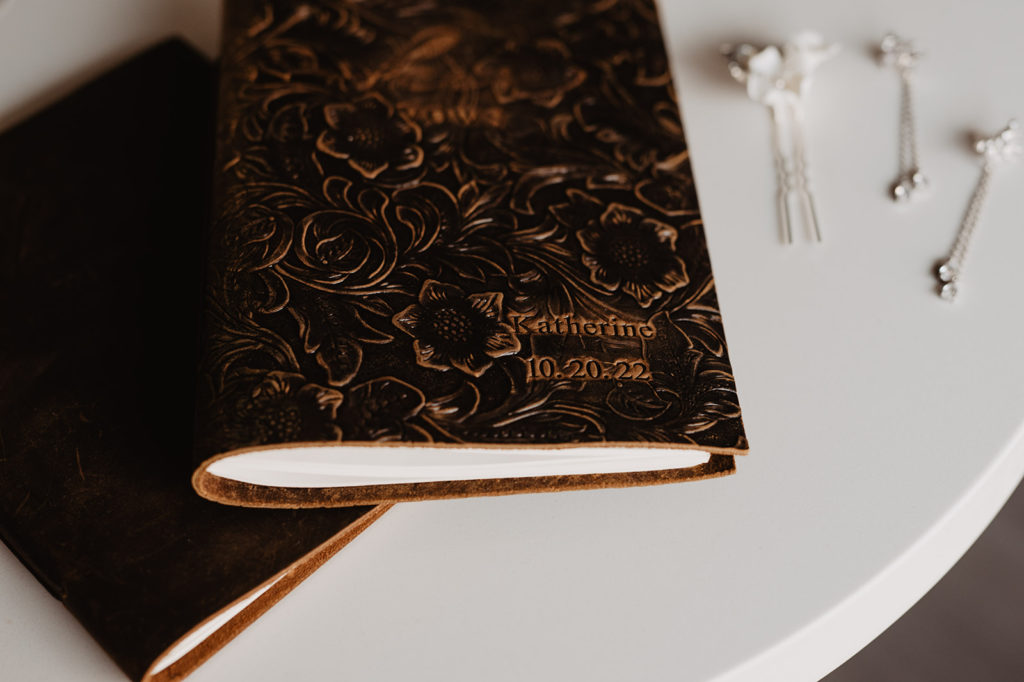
point(884, 422)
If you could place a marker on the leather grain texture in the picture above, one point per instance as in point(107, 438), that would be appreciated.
point(455, 221)
point(102, 201)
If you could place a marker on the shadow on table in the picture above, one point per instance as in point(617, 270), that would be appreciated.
point(968, 627)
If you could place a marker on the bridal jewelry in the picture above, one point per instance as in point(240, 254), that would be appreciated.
point(900, 54)
point(1001, 147)
point(778, 77)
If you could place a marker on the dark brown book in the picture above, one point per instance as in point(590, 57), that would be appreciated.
point(456, 251)
point(102, 201)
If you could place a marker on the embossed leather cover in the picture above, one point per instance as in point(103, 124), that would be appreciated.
point(102, 197)
point(456, 222)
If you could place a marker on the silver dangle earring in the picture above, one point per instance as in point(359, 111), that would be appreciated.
point(1002, 147)
point(901, 54)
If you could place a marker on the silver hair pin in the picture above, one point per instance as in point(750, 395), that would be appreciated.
point(901, 54)
point(778, 77)
point(1002, 147)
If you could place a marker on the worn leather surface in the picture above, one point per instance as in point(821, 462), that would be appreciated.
point(102, 200)
point(456, 222)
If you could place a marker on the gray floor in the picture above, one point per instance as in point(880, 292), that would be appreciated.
point(969, 628)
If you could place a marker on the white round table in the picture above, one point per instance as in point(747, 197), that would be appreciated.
point(884, 423)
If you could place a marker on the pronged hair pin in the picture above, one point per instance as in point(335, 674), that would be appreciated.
point(778, 77)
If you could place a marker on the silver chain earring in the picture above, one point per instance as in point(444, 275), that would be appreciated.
point(901, 55)
point(1002, 147)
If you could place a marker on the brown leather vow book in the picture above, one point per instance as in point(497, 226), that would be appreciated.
point(102, 200)
point(456, 251)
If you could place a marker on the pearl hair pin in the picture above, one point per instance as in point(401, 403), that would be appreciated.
point(778, 77)
point(1003, 147)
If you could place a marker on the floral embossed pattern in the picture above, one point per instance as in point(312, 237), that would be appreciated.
point(403, 185)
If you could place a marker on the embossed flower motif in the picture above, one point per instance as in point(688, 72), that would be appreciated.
point(455, 330)
point(255, 292)
point(288, 124)
point(283, 60)
point(700, 392)
point(372, 136)
point(632, 253)
point(618, 38)
point(284, 407)
point(340, 249)
point(540, 72)
point(463, 232)
point(430, 79)
point(671, 194)
point(257, 238)
point(344, 45)
point(641, 138)
point(491, 146)
point(641, 67)
point(381, 409)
